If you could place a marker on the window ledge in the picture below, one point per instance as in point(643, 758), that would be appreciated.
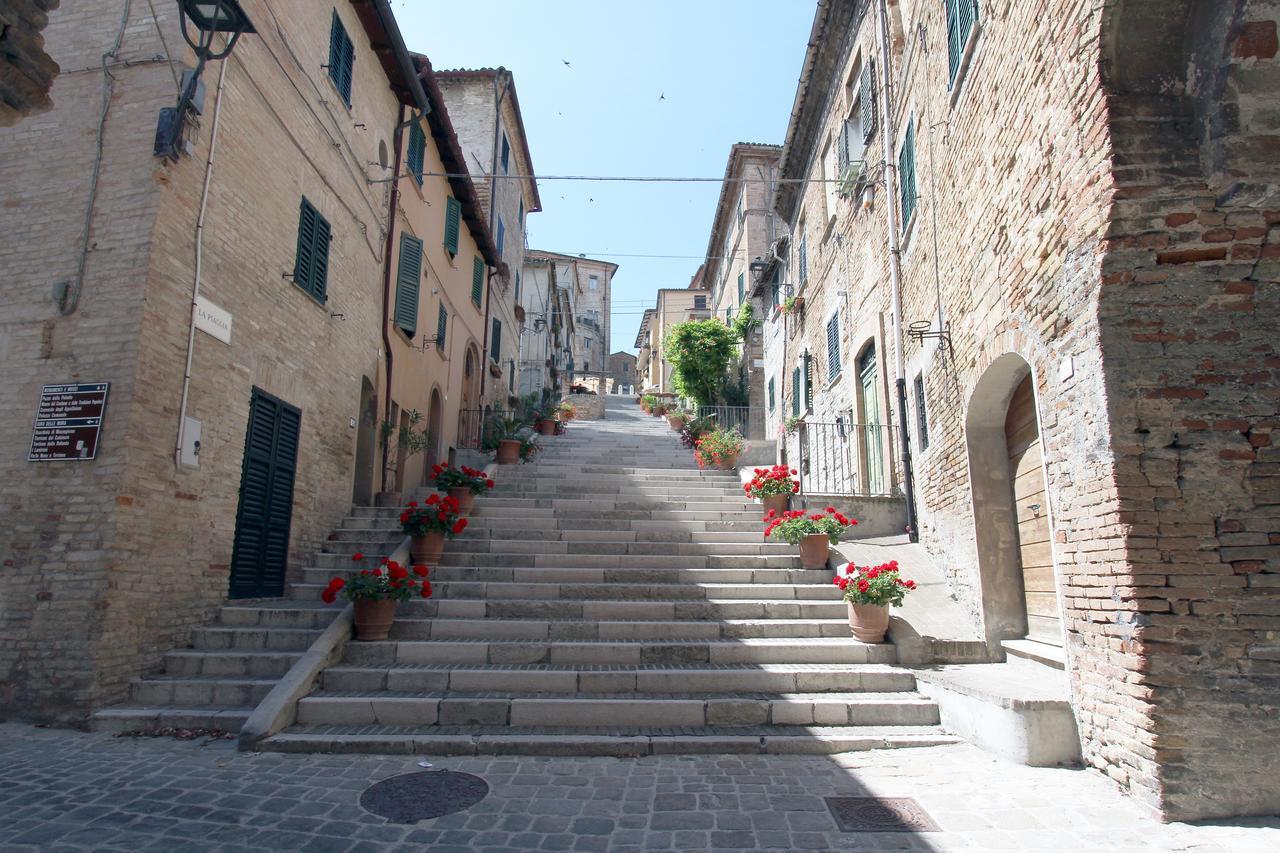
point(831, 383)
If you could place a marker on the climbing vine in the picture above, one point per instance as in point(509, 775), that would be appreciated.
point(699, 352)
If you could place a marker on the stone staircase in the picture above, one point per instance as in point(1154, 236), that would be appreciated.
point(609, 599)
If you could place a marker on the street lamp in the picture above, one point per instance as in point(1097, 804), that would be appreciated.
point(208, 18)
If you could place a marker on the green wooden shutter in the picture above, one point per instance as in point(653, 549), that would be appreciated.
point(771, 394)
point(808, 381)
point(741, 287)
point(795, 392)
point(417, 147)
point(452, 224)
point(907, 174)
point(311, 263)
point(502, 236)
point(264, 513)
point(804, 260)
point(511, 376)
point(833, 347)
point(517, 285)
point(922, 419)
point(961, 16)
point(342, 57)
point(408, 278)
point(842, 150)
point(477, 281)
point(495, 340)
point(442, 326)
point(867, 109)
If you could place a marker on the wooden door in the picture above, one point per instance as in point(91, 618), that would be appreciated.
point(871, 429)
point(260, 552)
point(1022, 435)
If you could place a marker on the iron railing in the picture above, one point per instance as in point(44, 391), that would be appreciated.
point(747, 420)
point(843, 458)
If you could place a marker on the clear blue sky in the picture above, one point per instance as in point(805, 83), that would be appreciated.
point(728, 69)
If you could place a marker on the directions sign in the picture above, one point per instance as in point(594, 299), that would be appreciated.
point(68, 422)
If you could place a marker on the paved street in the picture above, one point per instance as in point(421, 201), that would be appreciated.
point(71, 791)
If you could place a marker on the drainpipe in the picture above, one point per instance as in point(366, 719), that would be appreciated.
point(199, 259)
point(386, 281)
point(889, 170)
point(498, 95)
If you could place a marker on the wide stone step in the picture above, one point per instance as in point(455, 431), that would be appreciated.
point(790, 559)
point(614, 741)
point(491, 545)
point(253, 638)
point(611, 710)
point(154, 719)
point(446, 571)
point(443, 628)
point(618, 652)
point(188, 691)
point(602, 611)
point(633, 678)
point(188, 663)
point(608, 591)
point(284, 614)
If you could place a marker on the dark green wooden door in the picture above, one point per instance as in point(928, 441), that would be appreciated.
point(261, 550)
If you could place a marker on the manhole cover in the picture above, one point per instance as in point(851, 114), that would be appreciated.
point(422, 796)
point(880, 814)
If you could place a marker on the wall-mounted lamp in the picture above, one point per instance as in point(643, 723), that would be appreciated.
point(208, 18)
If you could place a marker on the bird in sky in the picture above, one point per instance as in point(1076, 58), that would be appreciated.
point(662, 96)
point(566, 62)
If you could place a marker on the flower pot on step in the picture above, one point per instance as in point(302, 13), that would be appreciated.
point(374, 617)
point(814, 549)
point(386, 499)
point(546, 426)
point(426, 550)
point(676, 422)
point(727, 463)
point(559, 427)
point(777, 503)
point(868, 622)
point(466, 500)
point(508, 451)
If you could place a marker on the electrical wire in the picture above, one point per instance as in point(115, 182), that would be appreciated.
point(155, 19)
point(646, 179)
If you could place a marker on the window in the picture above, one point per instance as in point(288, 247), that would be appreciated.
point(342, 57)
point(495, 340)
point(502, 235)
point(742, 291)
point(804, 259)
point(452, 224)
point(833, 347)
point(442, 326)
point(961, 16)
point(741, 213)
point(795, 392)
point(807, 363)
point(517, 285)
point(311, 264)
point(586, 343)
point(417, 145)
point(907, 174)
point(860, 126)
point(506, 154)
point(511, 376)
point(520, 218)
point(699, 303)
point(408, 276)
point(593, 283)
point(922, 418)
point(477, 281)
point(772, 397)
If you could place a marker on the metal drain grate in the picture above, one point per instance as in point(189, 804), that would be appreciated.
point(880, 814)
point(422, 796)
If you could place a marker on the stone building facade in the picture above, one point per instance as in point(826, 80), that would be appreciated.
point(485, 111)
point(254, 388)
point(622, 372)
point(588, 284)
point(1085, 202)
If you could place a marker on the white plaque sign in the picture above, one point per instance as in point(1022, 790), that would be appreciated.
point(213, 320)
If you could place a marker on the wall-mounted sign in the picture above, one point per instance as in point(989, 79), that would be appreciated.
point(68, 422)
point(213, 320)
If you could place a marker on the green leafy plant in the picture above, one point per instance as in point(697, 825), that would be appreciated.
point(717, 447)
point(792, 305)
point(695, 429)
point(449, 477)
point(529, 448)
point(881, 585)
point(648, 401)
point(699, 352)
point(502, 427)
point(566, 411)
point(794, 525)
point(793, 424)
point(389, 580)
point(744, 322)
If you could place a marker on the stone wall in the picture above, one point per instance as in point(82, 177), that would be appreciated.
point(590, 407)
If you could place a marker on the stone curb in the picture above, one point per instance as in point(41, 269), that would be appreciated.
point(279, 709)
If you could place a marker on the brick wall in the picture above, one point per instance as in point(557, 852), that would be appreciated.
point(26, 70)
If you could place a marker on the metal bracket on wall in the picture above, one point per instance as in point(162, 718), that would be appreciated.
point(922, 329)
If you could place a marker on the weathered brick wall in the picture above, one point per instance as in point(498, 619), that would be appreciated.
point(120, 557)
point(26, 70)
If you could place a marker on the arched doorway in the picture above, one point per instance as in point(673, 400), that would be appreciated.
point(469, 421)
point(435, 428)
point(366, 445)
point(871, 419)
point(1011, 515)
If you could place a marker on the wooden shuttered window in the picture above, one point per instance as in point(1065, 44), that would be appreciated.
point(452, 224)
point(742, 289)
point(495, 340)
point(795, 392)
point(922, 416)
point(807, 363)
point(342, 57)
point(442, 326)
point(311, 263)
point(867, 99)
point(772, 395)
point(804, 260)
point(477, 281)
point(408, 278)
point(907, 174)
point(833, 347)
point(961, 16)
point(502, 236)
point(417, 149)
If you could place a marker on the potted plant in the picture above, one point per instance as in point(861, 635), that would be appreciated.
point(546, 419)
point(428, 524)
point(409, 441)
point(719, 448)
point(648, 402)
point(695, 429)
point(870, 591)
point(773, 487)
point(659, 408)
point(462, 484)
point(566, 412)
point(792, 304)
point(503, 436)
point(374, 593)
point(528, 448)
point(814, 533)
point(677, 418)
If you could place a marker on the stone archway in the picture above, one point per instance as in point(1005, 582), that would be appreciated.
point(1011, 517)
point(435, 428)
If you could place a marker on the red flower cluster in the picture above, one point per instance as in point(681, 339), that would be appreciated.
point(880, 585)
point(439, 515)
point(448, 477)
point(389, 580)
point(772, 481)
point(793, 525)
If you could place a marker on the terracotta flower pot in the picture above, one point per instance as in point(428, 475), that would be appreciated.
point(374, 617)
point(508, 451)
point(868, 622)
point(546, 426)
point(466, 500)
point(728, 463)
point(814, 549)
point(676, 422)
point(777, 503)
point(426, 550)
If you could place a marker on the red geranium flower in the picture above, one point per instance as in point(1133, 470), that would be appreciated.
point(357, 556)
point(426, 589)
point(459, 526)
point(421, 570)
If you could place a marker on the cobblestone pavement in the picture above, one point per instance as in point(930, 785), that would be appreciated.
point(63, 790)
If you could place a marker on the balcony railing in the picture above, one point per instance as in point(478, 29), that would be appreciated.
point(843, 458)
point(747, 420)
